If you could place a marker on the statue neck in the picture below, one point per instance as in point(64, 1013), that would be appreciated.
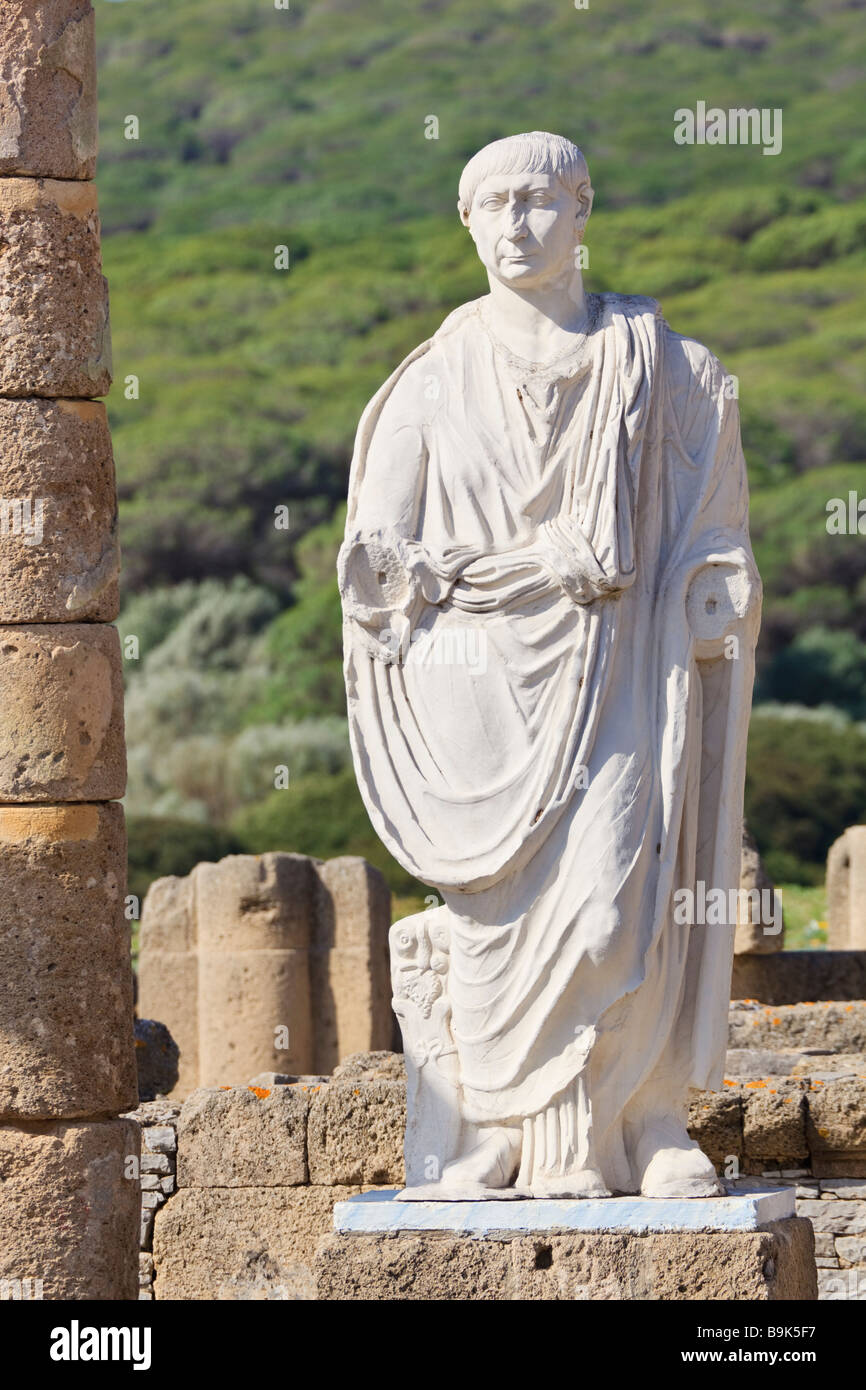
point(538, 325)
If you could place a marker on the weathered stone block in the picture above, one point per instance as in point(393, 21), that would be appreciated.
point(852, 1188)
point(68, 1213)
point(64, 948)
point(55, 299)
point(774, 1120)
point(839, 1218)
point(836, 1125)
point(253, 915)
point(353, 905)
point(168, 986)
point(788, 977)
point(242, 1243)
point(776, 1263)
point(837, 1027)
point(168, 916)
point(839, 1285)
point(168, 970)
point(757, 1063)
point(243, 1137)
point(355, 1133)
point(254, 902)
point(160, 1139)
point(716, 1123)
point(371, 1066)
point(350, 968)
point(851, 1250)
point(61, 713)
point(48, 122)
point(846, 891)
point(254, 1014)
point(55, 464)
point(157, 1165)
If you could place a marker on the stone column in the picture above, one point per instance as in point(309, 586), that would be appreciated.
point(350, 968)
point(68, 1165)
point(168, 970)
point(253, 928)
point(267, 962)
point(846, 891)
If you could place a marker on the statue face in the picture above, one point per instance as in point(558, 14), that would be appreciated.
point(525, 228)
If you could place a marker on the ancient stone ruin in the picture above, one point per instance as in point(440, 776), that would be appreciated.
point(267, 963)
point(272, 971)
point(239, 1184)
point(846, 891)
point(68, 1165)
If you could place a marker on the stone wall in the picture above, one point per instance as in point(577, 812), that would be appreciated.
point(258, 1169)
point(257, 1172)
point(789, 977)
point(68, 1177)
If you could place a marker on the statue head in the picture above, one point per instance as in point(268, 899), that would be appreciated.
point(526, 200)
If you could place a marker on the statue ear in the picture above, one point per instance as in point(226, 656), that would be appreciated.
point(585, 195)
point(464, 213)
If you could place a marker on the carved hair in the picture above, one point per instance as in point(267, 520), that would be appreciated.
point(535, 152)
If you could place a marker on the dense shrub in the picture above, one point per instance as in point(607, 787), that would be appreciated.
point(322, 816)
point(805, 783)
point(158, 847)
point(820, 667)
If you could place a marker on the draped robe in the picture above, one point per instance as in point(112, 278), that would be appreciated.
point(580, 753)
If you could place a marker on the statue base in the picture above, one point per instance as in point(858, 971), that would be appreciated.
point(745, 1247)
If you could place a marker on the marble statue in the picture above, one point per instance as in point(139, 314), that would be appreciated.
point(550, 609)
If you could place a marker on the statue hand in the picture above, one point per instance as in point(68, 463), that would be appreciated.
point(570, 557)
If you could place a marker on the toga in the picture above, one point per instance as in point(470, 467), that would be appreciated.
point(539, 729)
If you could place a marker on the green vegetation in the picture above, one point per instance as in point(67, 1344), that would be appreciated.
point(805, 782)
point(805, 909)
point(305, 128)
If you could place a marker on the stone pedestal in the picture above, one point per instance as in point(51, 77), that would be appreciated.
point(747, 1247)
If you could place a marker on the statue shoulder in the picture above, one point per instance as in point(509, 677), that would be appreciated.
point(412, 392)
point(611, 306)
point(461, 317)
point(690, 363)
point(699, 390)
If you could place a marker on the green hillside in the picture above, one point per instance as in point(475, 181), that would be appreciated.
point(305, 128)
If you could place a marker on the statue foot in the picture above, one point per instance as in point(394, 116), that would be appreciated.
point(492, 1163)
point(672, 1164)
point(585, 1182)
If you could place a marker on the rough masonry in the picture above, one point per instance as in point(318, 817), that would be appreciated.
point(69, 1195)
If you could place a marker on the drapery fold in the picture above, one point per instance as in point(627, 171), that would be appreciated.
point(526, 698)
